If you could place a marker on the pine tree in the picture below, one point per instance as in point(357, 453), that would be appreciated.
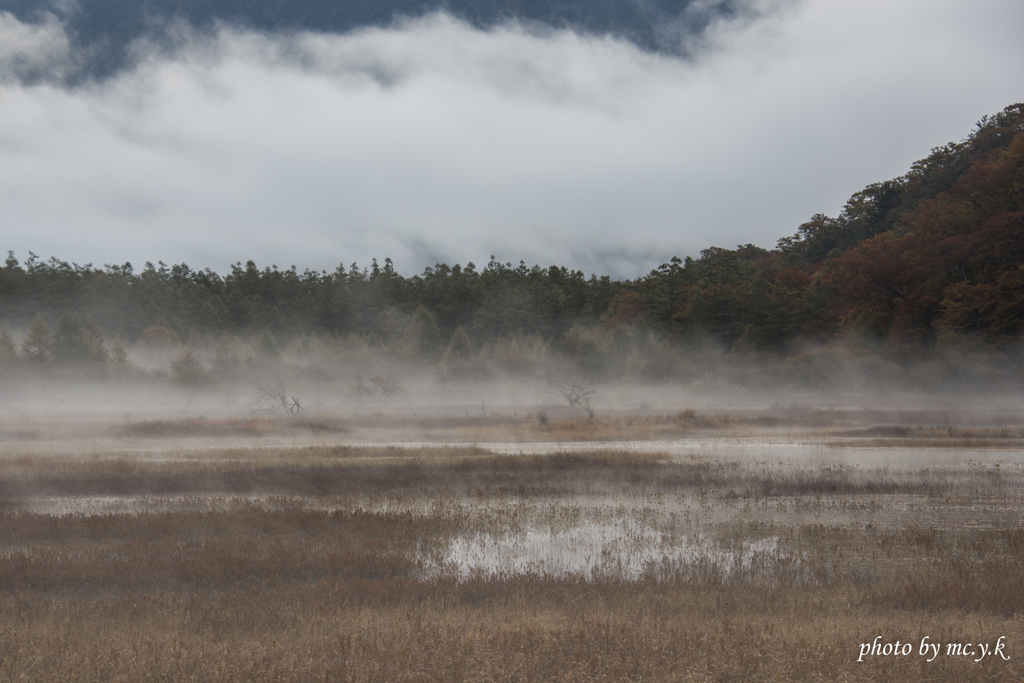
point(78, 342)
point(37, 344)
point(225, 359)
point(8, 352)
point(460, 347)
point(118, 356)
point(424, 334)
point(266, 345)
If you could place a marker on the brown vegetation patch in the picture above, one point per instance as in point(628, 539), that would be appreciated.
point(200, 427)
point(333, 470)
point(342, 470)
point(802, 423)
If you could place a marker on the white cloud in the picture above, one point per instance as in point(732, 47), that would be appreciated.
point(28, 50)
point(432, 140)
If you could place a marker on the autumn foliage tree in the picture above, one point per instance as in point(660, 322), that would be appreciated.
point(938, 249)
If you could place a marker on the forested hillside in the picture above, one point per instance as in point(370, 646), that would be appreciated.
point(938, 250)
point(910, 263)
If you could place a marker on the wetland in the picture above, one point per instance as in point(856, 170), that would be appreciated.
point(742, 545)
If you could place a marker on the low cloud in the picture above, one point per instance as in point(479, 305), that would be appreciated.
point(432, 140)
point(30, 52)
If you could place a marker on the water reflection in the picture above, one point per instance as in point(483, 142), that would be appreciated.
point(590, 550)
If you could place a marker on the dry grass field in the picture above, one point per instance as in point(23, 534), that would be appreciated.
point(684, 547)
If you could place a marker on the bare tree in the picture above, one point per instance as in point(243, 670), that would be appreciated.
point(575, 393)
point(389, 387)
point(272, 399)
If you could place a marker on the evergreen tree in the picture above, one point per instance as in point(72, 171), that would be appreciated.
point(460, 347)
point(225, 359)
point(266, 345)
point(424, 334)
point(118, 356)
point(37, 344)
point(8, 353)
point(77, 342)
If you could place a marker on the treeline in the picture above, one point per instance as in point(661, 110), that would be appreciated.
point(909, 264)
point(374, 301)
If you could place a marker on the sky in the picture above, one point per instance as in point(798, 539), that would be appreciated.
point(430, 141)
